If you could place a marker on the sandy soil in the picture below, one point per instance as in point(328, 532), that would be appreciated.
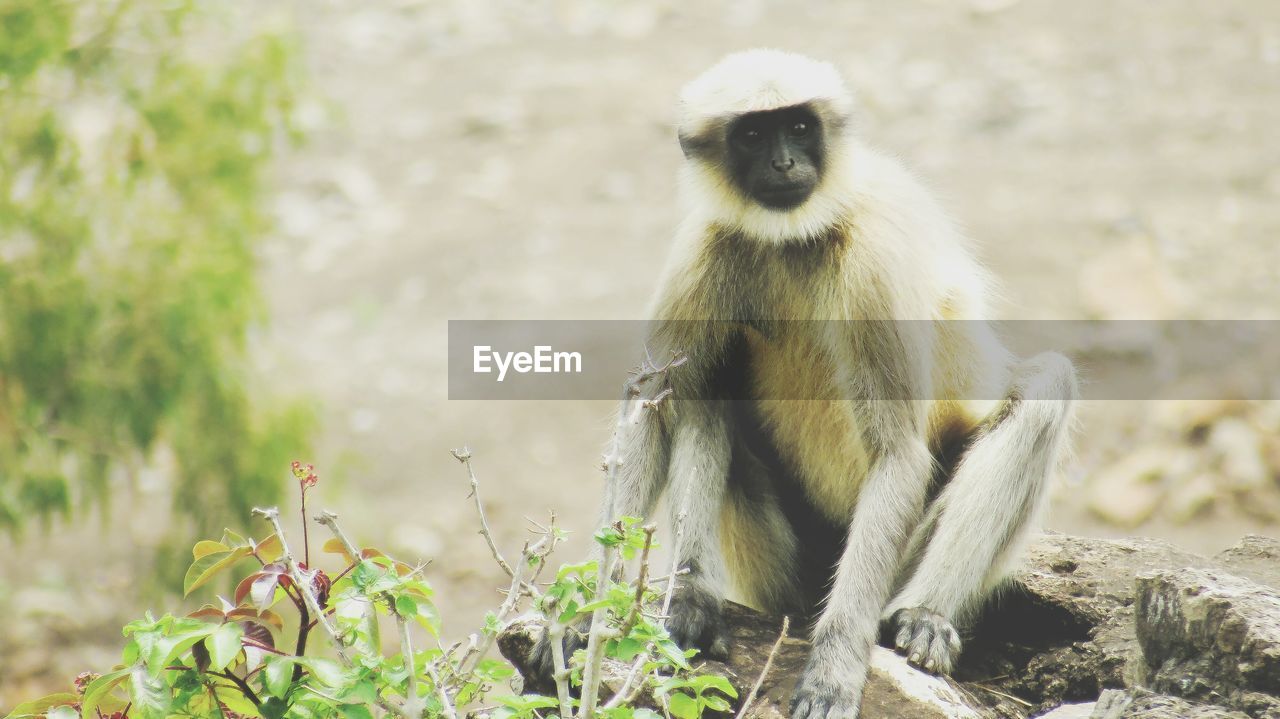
point(499, 160)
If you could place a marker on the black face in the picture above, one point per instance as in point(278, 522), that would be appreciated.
point(776, 157)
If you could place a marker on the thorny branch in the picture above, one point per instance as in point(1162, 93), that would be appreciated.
point(559, 671)
point(464, 456)
point(641, 580)
point(370, 618)
point(599, 634)
point(412, 704)
point(508, 605)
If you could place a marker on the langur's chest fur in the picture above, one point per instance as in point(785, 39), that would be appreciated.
point(785, 308)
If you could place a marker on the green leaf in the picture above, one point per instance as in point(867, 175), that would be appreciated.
point(168, 649)
point(209, 565)
point(683, 706)
point(495, 670)
point(206, 547)
point(428, 617)
point(277, 675)
point(224, 645)
point(97, 690)
point(63, 712)
point(703, 682)
point(326, 671)
point(355, 711)
point(528, 702)
point(406, 607)
point(716, 703)
point(39, 706)
point(149, 694)
point(625, 649)
point(274, 708)
point(236, 701)
point(583, 569)
point(672, 653)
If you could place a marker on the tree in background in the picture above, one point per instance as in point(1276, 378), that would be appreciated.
point(135, 138)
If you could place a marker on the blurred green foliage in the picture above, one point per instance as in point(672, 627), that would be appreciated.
point(135, 139)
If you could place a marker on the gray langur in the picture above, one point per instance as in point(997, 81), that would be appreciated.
point(852, 442)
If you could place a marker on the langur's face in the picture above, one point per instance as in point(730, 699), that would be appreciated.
point(776, 157)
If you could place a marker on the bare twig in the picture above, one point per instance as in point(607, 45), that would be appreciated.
point(599, 634)
point(370, 616)
point(330, 520)
point(508, 605)
point(768, 664)
point(675, 555)
point(553, 538)
point(412, 703)
point(1001, 694)
point(445, 704)
point(559, 671)
point(641, 581)
point(464, 456)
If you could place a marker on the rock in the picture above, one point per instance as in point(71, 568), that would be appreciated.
point(1071, 711)
point(1211, 636)
point(1240, 455)
point(1129, 491)
point(1190, 417)
point(1143, 704)
point(1192, 497)
point(1065, 631)
point(894, 689)
point(1061, 637)
point(1254, 557)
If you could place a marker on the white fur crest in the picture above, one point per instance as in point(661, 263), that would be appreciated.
point(757, 81)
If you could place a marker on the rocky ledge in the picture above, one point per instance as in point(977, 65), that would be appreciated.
point(1093, 628)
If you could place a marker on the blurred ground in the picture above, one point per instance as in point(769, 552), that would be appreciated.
point(516, 161)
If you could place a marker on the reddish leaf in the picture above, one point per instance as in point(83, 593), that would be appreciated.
point(266, 616)
point(201, 655)
point(263, 589)
point(242, 589)
point(209, 613)
point(320, 585)
point(258, 633)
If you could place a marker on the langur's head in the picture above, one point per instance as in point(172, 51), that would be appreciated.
point(762, 132)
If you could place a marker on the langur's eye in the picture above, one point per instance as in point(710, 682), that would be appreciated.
point(799, 129)
point(752, 137)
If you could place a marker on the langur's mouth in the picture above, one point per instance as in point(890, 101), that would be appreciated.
point(783, 198)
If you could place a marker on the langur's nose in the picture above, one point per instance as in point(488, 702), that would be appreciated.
point(784, 165)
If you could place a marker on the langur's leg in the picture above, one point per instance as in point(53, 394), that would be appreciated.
point(974, 527)
point(699, 474)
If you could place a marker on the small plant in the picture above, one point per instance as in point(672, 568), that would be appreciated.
point(253, 654)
